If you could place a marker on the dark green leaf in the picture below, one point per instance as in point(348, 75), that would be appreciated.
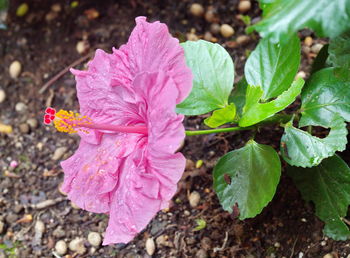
point(273, 66)
point(213, 72)
point(320, 61)
point(254, 111)
point(247, 177)
point(3, 4)
point(301, 149)
point(339, 51)
point(326, 94)
point(221, 116)
point(238, 95)
point(327, 186)
point(328, 18)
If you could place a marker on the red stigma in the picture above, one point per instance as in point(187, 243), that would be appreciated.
point(49, 115)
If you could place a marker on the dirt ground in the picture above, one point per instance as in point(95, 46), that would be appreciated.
point(44, 41)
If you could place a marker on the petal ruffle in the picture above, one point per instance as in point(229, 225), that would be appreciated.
point(151, 48)
point(92, 172)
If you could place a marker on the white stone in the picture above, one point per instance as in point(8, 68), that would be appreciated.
point(94, 239)
point(61, 247)
point(194, 199)
point(2, 96)
point(15, 69)
point(77, 245)
point(197, 9)
point(150, 246)
point(244, 6)
point(59, 152)
point(227, 30)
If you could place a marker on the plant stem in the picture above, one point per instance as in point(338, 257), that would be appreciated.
point(276, 119)
point(218, 130)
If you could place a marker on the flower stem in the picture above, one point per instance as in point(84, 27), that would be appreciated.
point(218, 130)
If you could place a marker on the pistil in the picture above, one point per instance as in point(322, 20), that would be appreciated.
point(70, 122)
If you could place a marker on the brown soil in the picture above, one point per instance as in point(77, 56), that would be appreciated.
point(45, 45)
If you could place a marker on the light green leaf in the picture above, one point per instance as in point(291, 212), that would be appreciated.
point(237, 96)
point(326, 95)
point(328, 18)
point(301, 149)
point(339, 51)
point(213, 72)
point(254, 111)
point(221, 116)
point(273, 66)
point(201, 224)
point(327, 186)
point(247, 177)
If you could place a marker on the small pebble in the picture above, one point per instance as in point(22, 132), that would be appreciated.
point(308, 41)
point(210, 15)
point(24, 128)
point(33, 123)
point(329, 255)
point(201, 253)
point(39, 226)
point(306, 50)
point(21, 107)
point(316, 48)
point(59, 152)
point(61, 247)
point(277, 245)
point(187, 213)
point(15, 69)
point(244, 6)
point(56, 8)
point(323, 243)
point(74, 206)
point(301, 74)
point(77, 245)
point(2, 227)
point(226, 30)
point(161, 240)
point(2, 96)
point(94, 239)
point(192, 36)
point(243, 39)
point(194, 199)
point(215, 28)
point(208, 36)
point(82, 47)
point(197, 9)
point(150, 246)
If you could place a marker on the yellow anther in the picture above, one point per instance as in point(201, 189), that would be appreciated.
point(69, 122)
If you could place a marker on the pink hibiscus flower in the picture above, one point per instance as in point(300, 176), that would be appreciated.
point(126, 163)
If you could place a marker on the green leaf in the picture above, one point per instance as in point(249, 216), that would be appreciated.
point(247, 177)
point(320, 61)
point(3, 4)
point(339, 51)
point(238, 95)
point(254, 111)
point(273, 66)
point(201, 224)
point(213, 72)
point(327, 186)
point(301, 149)
point(285, 17)
point(221, 116)
point(326, 94)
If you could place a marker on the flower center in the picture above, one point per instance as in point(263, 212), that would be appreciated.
point(70, 122)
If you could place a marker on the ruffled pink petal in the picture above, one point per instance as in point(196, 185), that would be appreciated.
point(151, 48)
point(157, 100)
point(147, 187)
point(93, 171)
